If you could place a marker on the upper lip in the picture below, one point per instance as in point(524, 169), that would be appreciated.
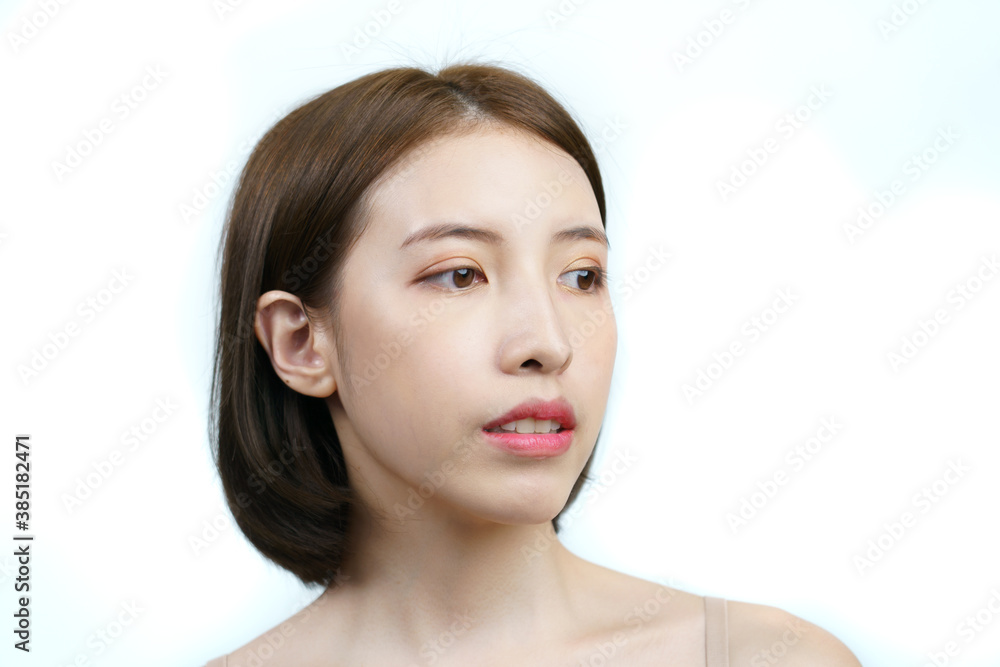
point(557, 409)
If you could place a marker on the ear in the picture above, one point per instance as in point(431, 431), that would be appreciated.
point(303, 355)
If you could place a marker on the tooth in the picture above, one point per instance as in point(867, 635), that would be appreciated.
point(509, 426)
point(543, 425)
point(526, 425)
point(554, 427)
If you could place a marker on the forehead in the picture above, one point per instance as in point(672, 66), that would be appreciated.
point(490, 177)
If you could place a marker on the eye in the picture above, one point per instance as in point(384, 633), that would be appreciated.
point(454, 279)
point(589, 279)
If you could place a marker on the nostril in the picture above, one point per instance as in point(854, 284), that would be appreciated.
point(531, 363)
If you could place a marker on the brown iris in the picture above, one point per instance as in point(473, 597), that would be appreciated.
point(463, 277)
point(584, 282)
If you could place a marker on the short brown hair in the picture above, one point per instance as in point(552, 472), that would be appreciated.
point(297, 209)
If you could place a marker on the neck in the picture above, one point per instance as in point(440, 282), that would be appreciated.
point(431, 576)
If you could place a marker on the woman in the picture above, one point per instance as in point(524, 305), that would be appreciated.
point(414, 356)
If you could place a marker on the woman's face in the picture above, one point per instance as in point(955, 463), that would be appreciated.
point(476, 287)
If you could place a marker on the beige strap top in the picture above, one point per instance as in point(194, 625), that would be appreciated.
point(716, 636)
point(716, 632)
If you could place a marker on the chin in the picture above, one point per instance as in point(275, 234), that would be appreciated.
point(521, 504)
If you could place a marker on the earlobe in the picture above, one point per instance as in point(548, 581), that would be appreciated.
point(301, 353)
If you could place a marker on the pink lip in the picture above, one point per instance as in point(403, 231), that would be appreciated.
point(558, 409)
point(537, 445)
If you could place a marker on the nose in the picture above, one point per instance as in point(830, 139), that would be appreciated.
point(535, 337)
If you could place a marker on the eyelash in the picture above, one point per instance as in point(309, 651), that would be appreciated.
point(600, 277)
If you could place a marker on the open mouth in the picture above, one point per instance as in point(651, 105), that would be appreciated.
point(529, 425)
point(535, 429)
point(535, 416)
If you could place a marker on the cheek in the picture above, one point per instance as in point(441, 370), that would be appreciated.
point(594, 338)
point(594, 352)
point(407, 363)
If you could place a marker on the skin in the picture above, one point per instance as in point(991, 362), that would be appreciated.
point(470, 572)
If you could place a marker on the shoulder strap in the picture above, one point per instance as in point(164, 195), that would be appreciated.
point(219, 662)
point(716, 632)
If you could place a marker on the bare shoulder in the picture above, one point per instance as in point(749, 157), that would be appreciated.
point(276, 647)
point(763, 635)
point(291, 643)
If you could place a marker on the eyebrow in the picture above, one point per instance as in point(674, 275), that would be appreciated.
point(454, 230)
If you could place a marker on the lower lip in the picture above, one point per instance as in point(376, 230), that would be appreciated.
point(536, 445)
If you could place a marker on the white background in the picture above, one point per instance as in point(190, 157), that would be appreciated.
point(672, 131)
